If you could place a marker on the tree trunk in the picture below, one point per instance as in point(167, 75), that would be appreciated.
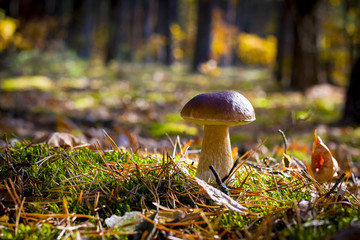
point(305, 53)
point(115, 31)
point(284, 39)
point(203, 34)
point(81, 27)
point(229, 15)
point(148, 26)
point(167, 11)
point(352, 103)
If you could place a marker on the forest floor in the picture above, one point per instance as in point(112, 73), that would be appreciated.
point(138, 106)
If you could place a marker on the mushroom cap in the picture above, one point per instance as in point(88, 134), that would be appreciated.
point(219, 108)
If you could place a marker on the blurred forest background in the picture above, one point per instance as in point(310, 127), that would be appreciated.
point(66, 64)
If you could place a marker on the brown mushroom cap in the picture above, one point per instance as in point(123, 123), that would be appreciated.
point(219, 108)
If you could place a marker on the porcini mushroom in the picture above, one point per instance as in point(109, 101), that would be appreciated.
point(217, 111)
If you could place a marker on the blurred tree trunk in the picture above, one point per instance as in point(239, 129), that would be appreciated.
point(238, 8)
point(167, 14)
point(203, 34)
point(148, 26)
point(229, 15)
point(122, 37)
point(352, 104)
point(115, 31)
point(254, 16)
point(305, 52)
point(284, 40)
point(351, 114)
point(129, 25)
point(81, 27)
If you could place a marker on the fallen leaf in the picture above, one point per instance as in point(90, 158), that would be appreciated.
point(221, 199)
point(128, 222)
point(65, 140)
point(234, 153)
point(323, 165)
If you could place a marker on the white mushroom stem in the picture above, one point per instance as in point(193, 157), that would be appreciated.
point(216, 151)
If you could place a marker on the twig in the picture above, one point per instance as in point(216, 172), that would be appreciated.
point(222, 185)
point(335, 185)
point(284, 138)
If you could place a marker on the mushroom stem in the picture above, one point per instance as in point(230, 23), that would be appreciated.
point(216, 151)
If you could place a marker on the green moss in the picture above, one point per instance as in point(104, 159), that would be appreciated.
point(30, 231)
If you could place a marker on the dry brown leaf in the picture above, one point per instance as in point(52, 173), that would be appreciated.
point(221, 199)
point(323, 165)
point(65, 140)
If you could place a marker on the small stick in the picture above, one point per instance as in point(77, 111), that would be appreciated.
point(222, 185)
point(216, 175)
point(284, 138)
point(335, 185)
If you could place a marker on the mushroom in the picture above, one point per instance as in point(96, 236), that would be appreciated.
point(217, 111)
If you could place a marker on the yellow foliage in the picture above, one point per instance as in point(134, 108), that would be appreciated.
point(177, 33)
point(155, 42)
point(178, 36)
point(178, 53)
point(7, 30)
point(222, 36)
point(256, 50)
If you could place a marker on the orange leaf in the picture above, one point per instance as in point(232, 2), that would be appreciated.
point(183, 149)
point(234, 152)
point(323, 165)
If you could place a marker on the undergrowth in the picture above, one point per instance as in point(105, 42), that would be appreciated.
point(49, 193)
